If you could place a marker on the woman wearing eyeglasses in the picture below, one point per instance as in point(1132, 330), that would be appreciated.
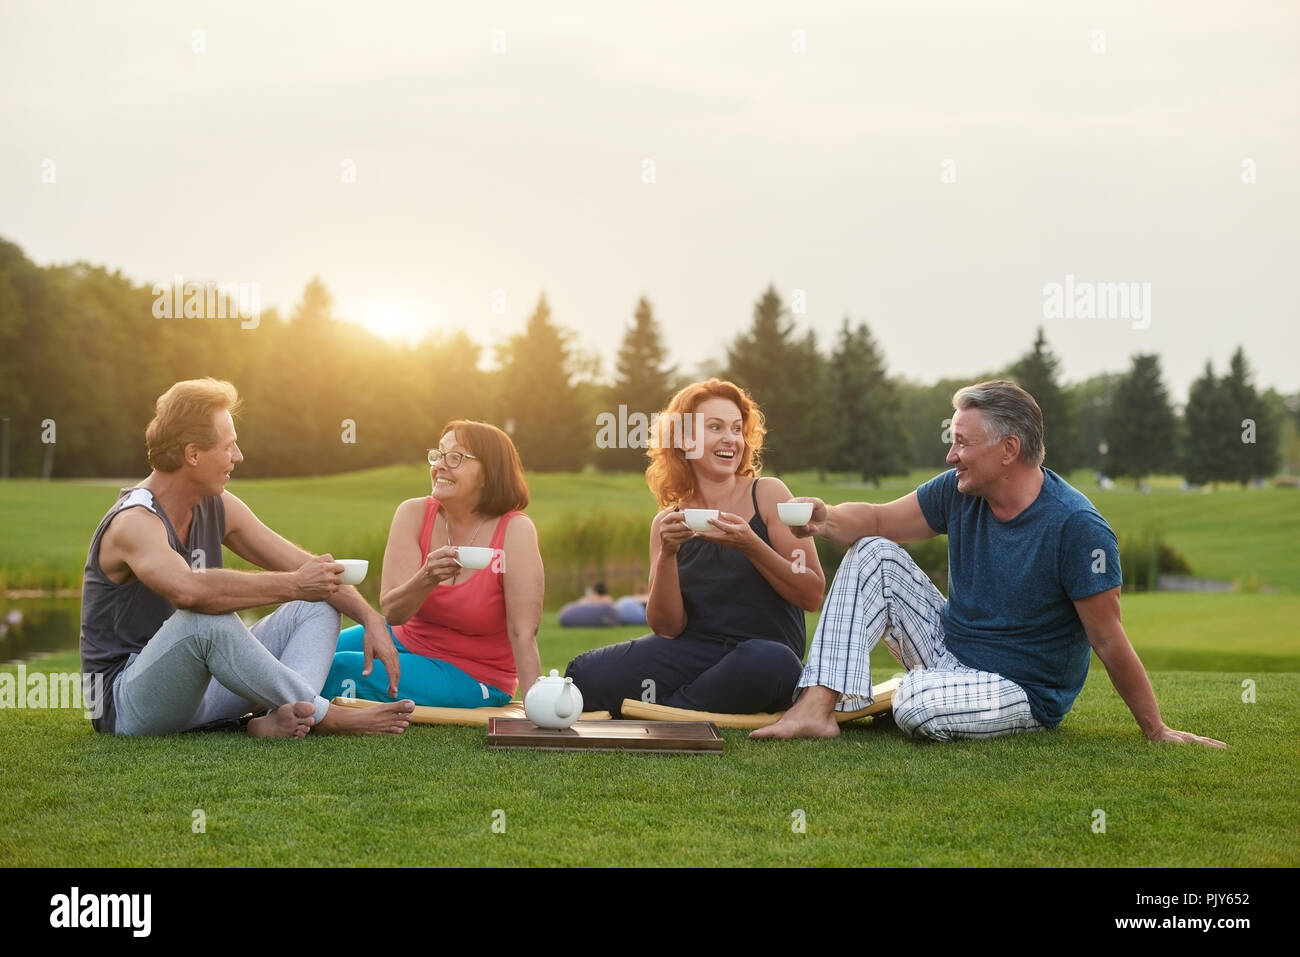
point(726, 604)
point(464, 637)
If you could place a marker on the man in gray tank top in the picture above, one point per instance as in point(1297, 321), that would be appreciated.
point(160, 639)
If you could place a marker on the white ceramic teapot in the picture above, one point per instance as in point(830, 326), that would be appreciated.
point(553, 702)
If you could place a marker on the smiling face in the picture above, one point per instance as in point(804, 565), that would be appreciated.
point(978, 460)
point(720, 438)
point(462, 485)
point(212, 467)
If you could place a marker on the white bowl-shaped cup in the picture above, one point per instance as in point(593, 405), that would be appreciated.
point(474, 556)
point(698, 518)
point(795, 513)
point(354, 570)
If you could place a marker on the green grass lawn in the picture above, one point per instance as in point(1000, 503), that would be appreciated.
point(70, 797)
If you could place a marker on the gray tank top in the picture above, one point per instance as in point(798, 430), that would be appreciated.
point(117, 621)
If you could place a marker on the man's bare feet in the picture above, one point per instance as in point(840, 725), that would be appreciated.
point(291, 720)
point(811, 717)
point(391, 718)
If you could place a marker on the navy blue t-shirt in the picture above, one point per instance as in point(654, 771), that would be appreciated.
point(1011, 586)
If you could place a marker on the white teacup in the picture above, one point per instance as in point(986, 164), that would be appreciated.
point(354, 570)
point(698, 518)
point(474, 556)
point(795, 513)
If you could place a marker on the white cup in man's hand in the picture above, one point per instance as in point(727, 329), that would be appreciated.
point(797, 514)
point(354, 570)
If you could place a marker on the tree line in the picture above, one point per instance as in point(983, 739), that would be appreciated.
point(84, 354)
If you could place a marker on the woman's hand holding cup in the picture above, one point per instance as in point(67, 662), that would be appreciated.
point(440, 565)
point(673, 532)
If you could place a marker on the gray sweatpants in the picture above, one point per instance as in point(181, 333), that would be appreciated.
point(201, 668)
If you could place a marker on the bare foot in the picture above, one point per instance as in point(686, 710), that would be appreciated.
point(390, 718)
point(811, 717)
point(291, 720)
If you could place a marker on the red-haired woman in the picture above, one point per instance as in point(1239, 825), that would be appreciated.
point(727, 604)
point(464, 638)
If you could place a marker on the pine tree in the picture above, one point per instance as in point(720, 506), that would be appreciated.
point(539, 397)
point(1207, 432)
point(1251, 426)
point(1037, 373)
point(1140, 425)
point(761, 361)
point(867, 410)
point(812, 442)
point(643, 383)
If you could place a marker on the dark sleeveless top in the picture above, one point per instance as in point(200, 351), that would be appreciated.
point(118, 620)
point(726, 598)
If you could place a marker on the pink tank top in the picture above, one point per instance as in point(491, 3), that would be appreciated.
point(465, 624)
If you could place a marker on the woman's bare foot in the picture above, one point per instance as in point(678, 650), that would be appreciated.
point(391, 718)
point(291, 720)
point(811, 717)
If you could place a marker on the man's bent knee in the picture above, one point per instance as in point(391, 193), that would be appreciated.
point(310, 611)
point(876, 547)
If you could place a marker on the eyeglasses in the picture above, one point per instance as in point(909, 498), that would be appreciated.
point(453, 459)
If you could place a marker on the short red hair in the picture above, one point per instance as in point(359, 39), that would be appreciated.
point(670, 476)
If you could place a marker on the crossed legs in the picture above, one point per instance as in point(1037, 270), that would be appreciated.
point(199, 668)
point(879, 594)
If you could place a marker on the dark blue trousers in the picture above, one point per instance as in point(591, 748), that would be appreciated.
point(689, 671)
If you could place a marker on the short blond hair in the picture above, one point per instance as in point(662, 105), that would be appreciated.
point(183, 414)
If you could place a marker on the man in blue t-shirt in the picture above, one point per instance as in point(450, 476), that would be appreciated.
point(1033, 584)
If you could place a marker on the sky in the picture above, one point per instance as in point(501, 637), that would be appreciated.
point(927, 168)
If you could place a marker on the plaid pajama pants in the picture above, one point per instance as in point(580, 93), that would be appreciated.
point(880, 593)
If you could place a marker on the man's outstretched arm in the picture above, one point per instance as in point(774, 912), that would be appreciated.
point(899, 521)
point(1100, 615)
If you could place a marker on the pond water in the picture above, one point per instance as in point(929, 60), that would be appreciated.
point(32, 628)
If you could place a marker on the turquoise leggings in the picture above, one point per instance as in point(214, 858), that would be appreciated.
point(424, 680)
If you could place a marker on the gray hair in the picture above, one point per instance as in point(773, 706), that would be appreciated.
point(1008, 410)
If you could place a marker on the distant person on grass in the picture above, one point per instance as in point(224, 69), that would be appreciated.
point(465, 637)
point(157, 610)
point(1034, 584)
point(595, 609)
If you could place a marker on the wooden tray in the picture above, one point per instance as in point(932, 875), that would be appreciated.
point(657, 737)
